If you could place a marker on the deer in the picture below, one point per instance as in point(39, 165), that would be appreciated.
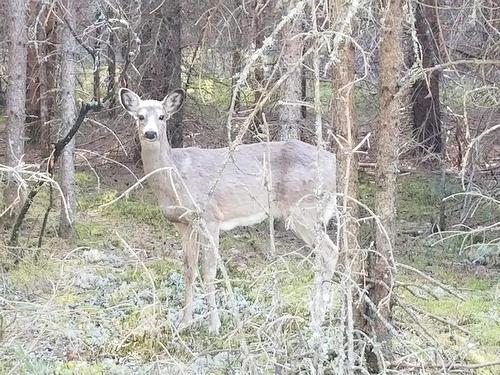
point(206, 191)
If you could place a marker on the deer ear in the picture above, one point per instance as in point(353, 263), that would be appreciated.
point(173, 101)
point(129, 100)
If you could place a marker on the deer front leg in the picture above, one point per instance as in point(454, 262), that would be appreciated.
point(190, 252)
point(210, 257)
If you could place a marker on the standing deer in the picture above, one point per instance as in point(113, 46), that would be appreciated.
point(219, 189)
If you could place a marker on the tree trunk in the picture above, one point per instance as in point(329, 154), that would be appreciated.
point(236, 60)
point(68, 116)
point(346, 129)
point(16, 95)
point(426, 111)
point(381, 262)
point(258, 25)
point(33, 86)
point(111, 74)
point(172, 13)
point(290, 115)
point(161, 35)
point(47, 77)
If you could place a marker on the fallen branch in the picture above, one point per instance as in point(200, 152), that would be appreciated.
point(439, 319)
point(432, 280)
point(450, 366)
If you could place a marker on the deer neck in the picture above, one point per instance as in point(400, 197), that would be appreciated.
point(157, 156)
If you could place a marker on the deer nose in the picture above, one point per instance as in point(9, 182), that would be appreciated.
point(150, 134)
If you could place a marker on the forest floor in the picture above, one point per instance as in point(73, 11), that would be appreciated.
point(108, 301)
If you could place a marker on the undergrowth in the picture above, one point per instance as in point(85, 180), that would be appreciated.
point(110, 301)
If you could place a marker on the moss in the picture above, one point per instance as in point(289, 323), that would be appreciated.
point(29, 275)
point(294, 287)
point(163, 267)
point(67, 299)
point(84, 180)
point(92, 200)
point(91, 231)
point(143, 333)
point(79, 368)
point(159, 270)
point(137, 209)
point(418, 198)
point(2, 123)
point(478, 314)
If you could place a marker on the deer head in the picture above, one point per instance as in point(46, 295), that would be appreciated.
point(151, 116)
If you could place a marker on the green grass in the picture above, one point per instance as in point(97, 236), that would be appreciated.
point(418, 196)
point(294, 287)
point(140, 207)
point(137, 207)
point(89, 232)
point(29, 276)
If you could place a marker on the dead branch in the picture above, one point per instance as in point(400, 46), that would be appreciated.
point(57, 150)
point(432, 280)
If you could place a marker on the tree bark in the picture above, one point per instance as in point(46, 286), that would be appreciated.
point(258, 26)
point(290, 114)
point(47, 77)
point(236, 59)
point(68, 116)
point(16, 95)
point(33, 81)
point(47, 81)
point(380, 269)
point(346, 129)
point(174, 68)
point(161, 33)
point(426, 111)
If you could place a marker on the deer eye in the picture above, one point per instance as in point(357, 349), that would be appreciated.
point(161, 118)
point(140, 117)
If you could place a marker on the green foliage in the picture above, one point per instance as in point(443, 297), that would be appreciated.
point(211, 91)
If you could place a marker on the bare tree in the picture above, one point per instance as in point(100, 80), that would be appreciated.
point(16, 93)
point(426, 110)
point(290, 115)
point(68, 116)
point(386, 171)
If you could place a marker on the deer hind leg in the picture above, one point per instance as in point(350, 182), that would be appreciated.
point(190, 252)
point(210, 258)
point(325, 262)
